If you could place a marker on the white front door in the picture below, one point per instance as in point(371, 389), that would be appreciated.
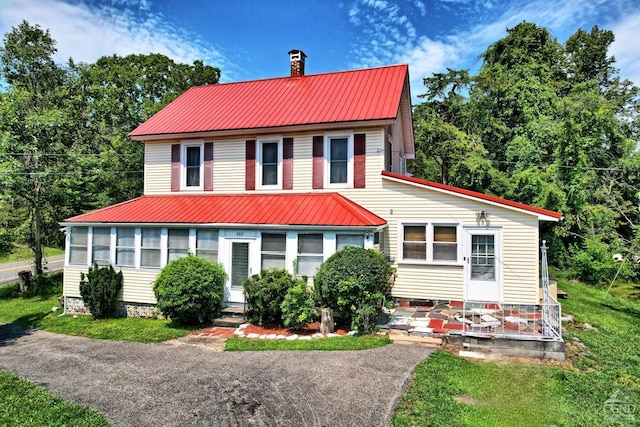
point(482, 265)
point(239, 269)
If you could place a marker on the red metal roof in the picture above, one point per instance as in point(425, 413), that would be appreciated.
point(320, 209)
point(370, 94)
point(474, 194)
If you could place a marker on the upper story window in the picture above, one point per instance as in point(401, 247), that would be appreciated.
point(430, 242)
point(192, 164)
point(270, 163)
point(339, 160)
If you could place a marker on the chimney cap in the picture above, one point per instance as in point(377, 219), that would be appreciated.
point(297, 54)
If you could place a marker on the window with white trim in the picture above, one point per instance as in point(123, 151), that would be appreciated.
point(150, 250)
point(207, 244)
point(344, 240)
point(192, 164)
point(273, 250)
point(101, 246)
point(339, 160)
point(269, 160)
point(125, 247)
point(430, 242)
point(178, 243)
point(310, 254)
point(78, 245)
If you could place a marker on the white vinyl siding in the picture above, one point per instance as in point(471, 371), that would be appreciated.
point(137, 284)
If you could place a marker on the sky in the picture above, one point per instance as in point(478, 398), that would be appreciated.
point(249, 39)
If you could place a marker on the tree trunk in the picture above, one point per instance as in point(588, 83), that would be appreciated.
point(37, 240)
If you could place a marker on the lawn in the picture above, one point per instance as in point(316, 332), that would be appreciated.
point(25, 404)
point(602, 373)
point(325, 344)
point(23, 253)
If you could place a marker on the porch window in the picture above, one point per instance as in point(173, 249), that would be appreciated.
point(445, 243)
point(150, 250)
point(101, 248)
point(78, 246)
point(273, 250)
point(414, 243)
point(344, 240)
point(178, 243)
point(125, 247)
point(207, 244)
point(310, 254)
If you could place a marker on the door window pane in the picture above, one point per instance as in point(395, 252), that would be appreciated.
point(207, 244)
point(310, 254)
point(344, 240)
point(338, 156)
point(193, 166)
point(78, 246)
point(150, 251)
point(414, 244)
point(178, 243)
point(483, 262)
point(101, 248)
point(273, 250)
point(125, 247)
point(270, 163)
point(445, 243)
point(239, 264)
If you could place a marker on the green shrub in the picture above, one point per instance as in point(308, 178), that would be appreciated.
point(298, 307)
point(189, 290)
point(99, 289)
point(354, 281)
point(264, 294)
point(6, 241)
point(594, 264)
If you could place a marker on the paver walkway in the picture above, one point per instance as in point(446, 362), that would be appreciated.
point(136, 384)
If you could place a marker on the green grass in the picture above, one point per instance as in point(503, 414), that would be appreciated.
point(448, 390)
point(25, 404)
point(325, 344)
point(22, 253)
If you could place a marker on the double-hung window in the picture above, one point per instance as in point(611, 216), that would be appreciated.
point(192, 163)
point(101, 247)
point(207, 244)
point(339, 160)
point(270, 162)
point(78, 246)
point(125, 247)
point(178, 243)
point(150, 250)
point(273, 250)
point(430, 242)
point(310, 254)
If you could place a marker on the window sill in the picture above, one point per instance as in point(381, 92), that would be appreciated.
point(431, 263)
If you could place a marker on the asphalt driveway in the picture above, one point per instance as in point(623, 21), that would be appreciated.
point(137, 384)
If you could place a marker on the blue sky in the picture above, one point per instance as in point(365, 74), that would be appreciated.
point(249, 39)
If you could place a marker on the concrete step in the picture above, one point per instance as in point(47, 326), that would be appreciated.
point(233, 311)
point(228, 321)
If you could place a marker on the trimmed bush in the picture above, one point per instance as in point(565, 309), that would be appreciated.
point(354, 281)
point(190, 290)
point(99, 289)
point(298, 307)
point(264, 294)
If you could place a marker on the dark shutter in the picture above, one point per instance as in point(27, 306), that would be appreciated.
point(208, 166)
point(287, 163)
point(250, 164)
point(318, 162)
point(359, 150)
point(175, 167)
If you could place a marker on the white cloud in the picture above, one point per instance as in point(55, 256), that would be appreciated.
point(85, 33)
point(625, 47)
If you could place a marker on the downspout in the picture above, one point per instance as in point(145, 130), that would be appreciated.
point(64, 307)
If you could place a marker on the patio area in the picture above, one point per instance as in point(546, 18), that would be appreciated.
point(476, 319)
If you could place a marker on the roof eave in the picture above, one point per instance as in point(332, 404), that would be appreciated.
point(266, 130)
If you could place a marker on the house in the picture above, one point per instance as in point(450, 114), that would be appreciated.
point(286, 171)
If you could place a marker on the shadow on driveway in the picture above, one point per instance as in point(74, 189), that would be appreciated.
point(136, 384)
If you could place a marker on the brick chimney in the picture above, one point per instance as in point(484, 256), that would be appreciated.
point(297, 62)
